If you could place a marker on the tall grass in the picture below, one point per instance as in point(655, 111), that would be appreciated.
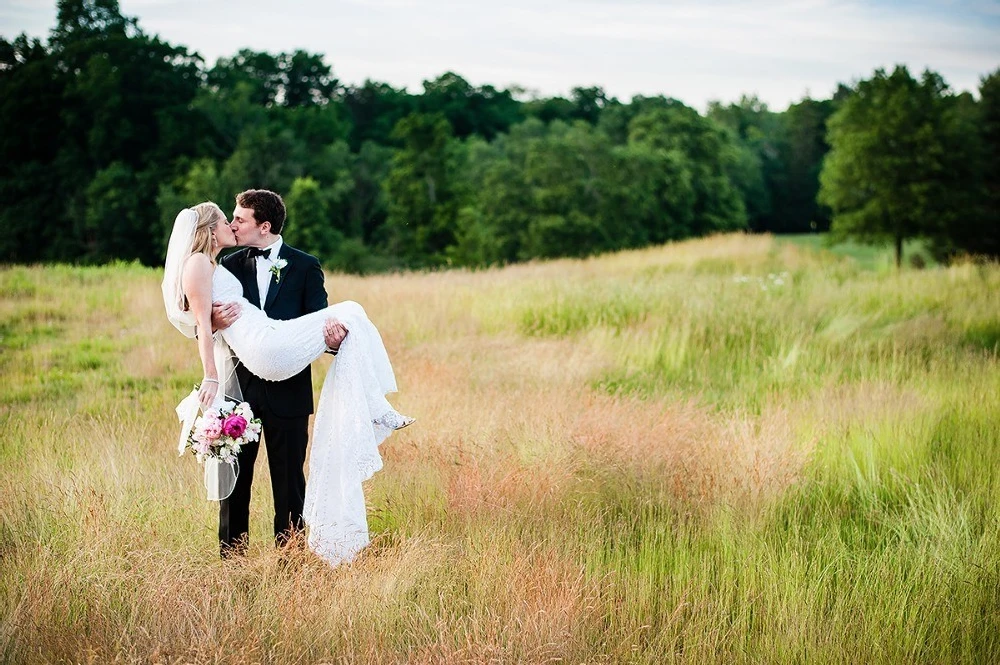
point(724, 450)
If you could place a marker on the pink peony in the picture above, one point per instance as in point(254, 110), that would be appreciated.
point(211, 428)
point(234, 426)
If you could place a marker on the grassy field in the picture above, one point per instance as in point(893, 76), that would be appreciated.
point(727, 450)
point(880, 258)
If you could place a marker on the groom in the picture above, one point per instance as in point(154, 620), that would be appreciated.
point(286, 283)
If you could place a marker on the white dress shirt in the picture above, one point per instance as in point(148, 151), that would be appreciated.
point(264, 269)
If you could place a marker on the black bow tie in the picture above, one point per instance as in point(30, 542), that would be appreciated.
point(254, 252)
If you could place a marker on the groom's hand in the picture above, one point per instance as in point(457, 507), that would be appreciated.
point(334, 333)
point(224, 314)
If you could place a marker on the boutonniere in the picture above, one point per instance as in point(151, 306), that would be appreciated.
point(276, 269)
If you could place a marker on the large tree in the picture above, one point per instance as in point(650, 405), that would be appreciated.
point(755, 168)
point(708, 153)
point(888, 174)
point(93, 125)
point(288, 79)
point(987, 239)
point(31, 179)
point(801, 153)
point(483, 111)
point(310, 222)
point(374, 109)
point(420, 185)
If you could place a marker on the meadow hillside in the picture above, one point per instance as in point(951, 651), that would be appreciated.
point(732, 449)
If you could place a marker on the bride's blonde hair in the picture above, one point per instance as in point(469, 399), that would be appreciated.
point(209, 215)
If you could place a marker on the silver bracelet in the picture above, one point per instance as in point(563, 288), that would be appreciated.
point(215, 381)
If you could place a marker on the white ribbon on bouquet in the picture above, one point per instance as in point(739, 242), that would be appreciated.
point(220, 477)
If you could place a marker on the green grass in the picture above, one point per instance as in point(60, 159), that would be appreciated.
point(870, 257)
point(737, 449)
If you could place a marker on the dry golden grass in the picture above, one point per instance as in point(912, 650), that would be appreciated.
point(629, 458)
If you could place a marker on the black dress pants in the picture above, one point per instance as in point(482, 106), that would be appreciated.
point(286, 440)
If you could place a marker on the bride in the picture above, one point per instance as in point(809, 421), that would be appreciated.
point(353, 416)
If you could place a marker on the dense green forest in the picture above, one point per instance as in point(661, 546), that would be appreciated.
point(109, 131)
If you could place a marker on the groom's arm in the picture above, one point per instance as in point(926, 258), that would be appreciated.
point(224, 315)
point(314, 298)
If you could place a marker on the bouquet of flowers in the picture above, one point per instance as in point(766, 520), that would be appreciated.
point(220, 432)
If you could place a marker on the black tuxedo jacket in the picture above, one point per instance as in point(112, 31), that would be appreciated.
point(299, 291)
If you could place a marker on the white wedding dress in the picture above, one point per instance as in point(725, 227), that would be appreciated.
point(346, 430)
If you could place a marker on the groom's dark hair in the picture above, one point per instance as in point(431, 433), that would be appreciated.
point(267, 206)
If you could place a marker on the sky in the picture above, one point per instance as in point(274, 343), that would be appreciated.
point(693, 50)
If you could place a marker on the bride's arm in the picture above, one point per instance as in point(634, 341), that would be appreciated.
point(197, 284)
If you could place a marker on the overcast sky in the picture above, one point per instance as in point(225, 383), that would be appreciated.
point(693, 50)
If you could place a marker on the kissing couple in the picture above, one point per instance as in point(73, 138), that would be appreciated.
point(268, 308)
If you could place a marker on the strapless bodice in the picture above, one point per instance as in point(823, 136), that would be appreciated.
point(225, 286)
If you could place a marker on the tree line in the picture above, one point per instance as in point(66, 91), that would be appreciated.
point(109, 131)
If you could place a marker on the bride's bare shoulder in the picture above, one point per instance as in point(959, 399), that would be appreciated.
point(199, 262)
point(197, 267)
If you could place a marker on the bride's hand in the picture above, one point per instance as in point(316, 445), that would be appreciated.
point(207, 392)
